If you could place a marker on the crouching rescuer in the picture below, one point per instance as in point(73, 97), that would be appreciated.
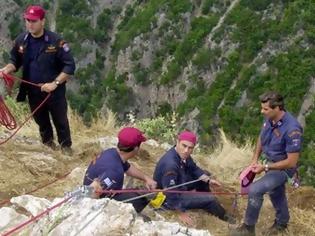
point(177, 170)
point(107, 171)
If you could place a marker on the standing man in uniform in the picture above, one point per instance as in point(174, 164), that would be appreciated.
point(107, 171)
point(280, 142)
point(46, 61)
point(177, 167)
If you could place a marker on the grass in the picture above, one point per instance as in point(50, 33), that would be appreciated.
point(226, 161)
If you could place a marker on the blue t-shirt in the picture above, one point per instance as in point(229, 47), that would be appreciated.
point(279, 139)
point(109, 169)
point(171, 171)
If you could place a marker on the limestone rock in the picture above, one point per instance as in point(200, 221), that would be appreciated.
point(38, 162)
point(10, 218)
point(86, 216)
point(32, 204)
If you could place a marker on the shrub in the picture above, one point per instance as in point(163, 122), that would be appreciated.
point(161, 127)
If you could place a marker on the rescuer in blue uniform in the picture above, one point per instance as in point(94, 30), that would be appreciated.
point(177, 167)
point(280, 142)
point(107, 171)
point(46, 61)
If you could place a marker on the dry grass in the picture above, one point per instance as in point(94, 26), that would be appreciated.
point(27, 140)
point(101, 125)
point(225, 162)
point(302, 221)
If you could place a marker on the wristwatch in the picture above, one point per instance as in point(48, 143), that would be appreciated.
point(57, 82)
point(266, 167)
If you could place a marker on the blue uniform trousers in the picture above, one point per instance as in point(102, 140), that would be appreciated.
point(57, 109)
point(206, 201)
point(273, 183)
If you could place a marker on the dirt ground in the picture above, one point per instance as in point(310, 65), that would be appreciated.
point(18, 177)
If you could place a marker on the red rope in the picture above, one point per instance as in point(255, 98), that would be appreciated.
point(167, 191)
point(35, 218)
point(32, 219)
point(6, 118)
point(8, 80)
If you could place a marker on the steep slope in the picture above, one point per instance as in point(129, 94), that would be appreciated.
point(26, 165)
point(206, 60)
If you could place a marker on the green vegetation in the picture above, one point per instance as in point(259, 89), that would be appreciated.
point(104, 23)
point(204, 58)
point(141, 75)
point(163, 128)
point(74, 23)
point(15, 27)
point(139, 23)
point(262, 45)
point(307, 166)
point(288, 72)
point(20, 111)
point(200, 27)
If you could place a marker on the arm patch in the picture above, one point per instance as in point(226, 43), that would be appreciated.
point(168, 173)
point(295, 132)
point(64, 45)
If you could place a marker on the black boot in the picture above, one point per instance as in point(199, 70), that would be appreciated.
point(243, 230)
point(276, 229)
point(229, 218)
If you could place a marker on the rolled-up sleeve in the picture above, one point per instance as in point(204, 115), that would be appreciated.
point(66, 58)
point(293, 141)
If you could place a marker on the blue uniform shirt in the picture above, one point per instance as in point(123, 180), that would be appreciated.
point(109, 169)
point(279, 139)
point(33, 69)
point(42, 59)
point(171, 171)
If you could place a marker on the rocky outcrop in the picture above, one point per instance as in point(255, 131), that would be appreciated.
point(308, 103)
point(7, 9)
point(85, 216)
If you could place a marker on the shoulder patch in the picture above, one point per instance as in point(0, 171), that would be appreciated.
point(61, 43)
point(64, 45)
point(295, 132)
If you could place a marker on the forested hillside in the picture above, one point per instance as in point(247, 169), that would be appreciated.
point(205, 60)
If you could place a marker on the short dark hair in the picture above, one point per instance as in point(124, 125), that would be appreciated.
point(274, 98)
point(126, 149)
